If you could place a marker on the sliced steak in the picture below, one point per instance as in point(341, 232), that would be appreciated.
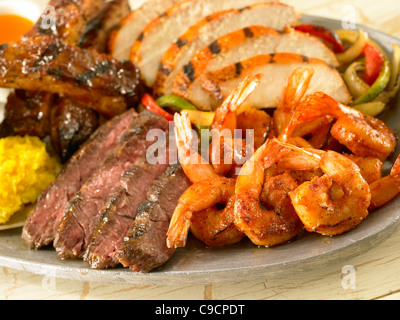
point(42, 224)
point(120, 212)
point(83, 211)
point(144, 247)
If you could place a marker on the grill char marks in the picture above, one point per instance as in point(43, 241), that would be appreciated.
point(42, 224)
point(98, 30)
point(83, 212)
point(66, 19)
point(120, 212)
point(206, 32)
point(145, 246)
point(80, 74)
point(70, 17)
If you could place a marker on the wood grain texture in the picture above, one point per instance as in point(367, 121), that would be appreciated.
point(376, 272)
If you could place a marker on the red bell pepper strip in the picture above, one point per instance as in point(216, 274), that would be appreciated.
point(373, 63)
point(150, 104)
point(324, 34)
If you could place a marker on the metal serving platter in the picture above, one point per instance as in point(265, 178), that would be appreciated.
point(197, 264)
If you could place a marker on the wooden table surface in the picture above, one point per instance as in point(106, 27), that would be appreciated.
point(372, 275)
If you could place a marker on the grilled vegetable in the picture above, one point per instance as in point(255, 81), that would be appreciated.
point(324, 34)
point(355, 50)
point(200, 119)
point(356, 85)
point(152, 106)
point(378, 86)
point(373, 63)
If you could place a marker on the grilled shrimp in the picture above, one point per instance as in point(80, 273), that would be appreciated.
point(257, 120)
point(222, 148)
point(197, 209)
point(363, 135)
point(385, 189)
point(198, 199)
point(265, 227)
point(296, 88)
point(215, 227)
point(335, 202)
point(193, 164)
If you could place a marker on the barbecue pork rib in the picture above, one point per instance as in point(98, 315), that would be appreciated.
point(42, 63)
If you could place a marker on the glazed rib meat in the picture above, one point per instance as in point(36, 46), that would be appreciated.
point(107, 85)
point(97, 31)
point(28, 112)
point(83, 211)
point(42, 224)
point(66, 19)
point(72, 123)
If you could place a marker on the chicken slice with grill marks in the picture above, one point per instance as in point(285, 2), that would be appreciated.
point(276, 68)
point(157, 36)
point(206, 32)
point(129, 28)
point(240, 45)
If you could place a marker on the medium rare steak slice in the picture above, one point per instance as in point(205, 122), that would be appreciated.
point(42, 224)
point(120, 212)
point(144, 247)
point(83, 211)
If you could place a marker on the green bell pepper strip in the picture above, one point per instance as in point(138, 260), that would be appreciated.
point(378, 86)
point(178, 104)
point(175, 102)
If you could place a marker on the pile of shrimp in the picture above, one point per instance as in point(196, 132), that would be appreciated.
point(316, 166)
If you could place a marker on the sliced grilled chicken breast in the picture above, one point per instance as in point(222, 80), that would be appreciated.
point(157, 36)
point(240, 45)
point(205, 33)
point(276, 69)
point(122, 38)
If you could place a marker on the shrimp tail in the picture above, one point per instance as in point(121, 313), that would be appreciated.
point(242, 92)
point(298, 84)
point(316, 110)
point(314, 153)
point(183, 129)
point(179, 227)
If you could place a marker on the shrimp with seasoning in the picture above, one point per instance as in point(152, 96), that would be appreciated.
point(385, 189)
point(258, 121)
point(362, 134)
point(198, 208)
point(335, 202)
point(193, 164)
point(294, 93)
point(225, 147)
point(265, 227)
